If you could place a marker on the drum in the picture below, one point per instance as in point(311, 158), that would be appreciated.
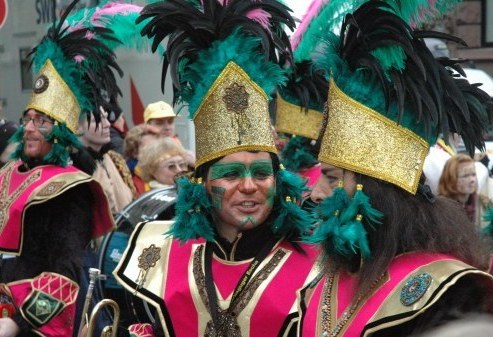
point(157, 204)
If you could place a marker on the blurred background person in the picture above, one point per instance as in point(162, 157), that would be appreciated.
point(459, 182)
point(160, 161)
point(159, 118)
point(137, 137)
point(7, 129)
point(108, 168)
point(118, 128)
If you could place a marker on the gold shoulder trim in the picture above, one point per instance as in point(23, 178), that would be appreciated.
point(443, 275)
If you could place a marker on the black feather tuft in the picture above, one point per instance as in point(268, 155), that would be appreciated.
point(191, 26)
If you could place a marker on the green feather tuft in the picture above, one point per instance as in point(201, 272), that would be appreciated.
point(297, 155)
point(193, 207)
point(236, 48)
point(340, 229)
point(292, 218)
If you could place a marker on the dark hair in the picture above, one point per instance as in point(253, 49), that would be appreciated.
point(412, 224)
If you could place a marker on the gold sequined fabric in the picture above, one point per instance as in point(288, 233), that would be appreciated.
point(52, 96)
point(362, 140)
point(234, 116)
point(293, 119)
point(122, 168)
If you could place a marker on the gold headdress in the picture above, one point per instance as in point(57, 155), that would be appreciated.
point(223, 56)
point(388, 100)
point(224, 67)
point(74, 67)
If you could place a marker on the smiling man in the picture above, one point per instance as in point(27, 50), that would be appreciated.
point(231, 263)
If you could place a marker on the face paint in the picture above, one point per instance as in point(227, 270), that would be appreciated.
point(217, 196)
point(241, 187)
point(271, 196)
point(248, 220)
point(259, 169)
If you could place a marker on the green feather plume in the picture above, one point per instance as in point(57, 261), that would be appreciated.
point(236, 48)
point(297, 154)
point(192, 209)
point(292, 218)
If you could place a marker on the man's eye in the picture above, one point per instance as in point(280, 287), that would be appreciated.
point(332, 179)
point(231, 175)
point(262, 174)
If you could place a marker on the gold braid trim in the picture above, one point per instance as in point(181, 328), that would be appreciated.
point(122, 168)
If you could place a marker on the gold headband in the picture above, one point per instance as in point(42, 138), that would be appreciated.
point(233, 117)
point(52, 96)
point(362, 140)
point(293, 119)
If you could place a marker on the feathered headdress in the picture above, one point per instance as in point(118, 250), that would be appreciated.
point(75, 68)
point(389, 99)
point(299, 107)
point(223, 57)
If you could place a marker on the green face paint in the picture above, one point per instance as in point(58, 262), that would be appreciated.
point(258, 169)
point(217, 196)
point(270, 196)
point(248, 219)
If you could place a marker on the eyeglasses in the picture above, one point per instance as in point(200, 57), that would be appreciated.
point(38, 121)
point(172, 166)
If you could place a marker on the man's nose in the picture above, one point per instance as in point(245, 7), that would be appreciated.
point(319, 192)
point(247, 185)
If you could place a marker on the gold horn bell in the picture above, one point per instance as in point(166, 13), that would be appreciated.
point(109, 330)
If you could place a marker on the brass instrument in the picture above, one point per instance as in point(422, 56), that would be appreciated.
point(110, 330)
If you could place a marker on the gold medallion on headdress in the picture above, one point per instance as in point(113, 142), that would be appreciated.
point(234, 116)
point(53, 97)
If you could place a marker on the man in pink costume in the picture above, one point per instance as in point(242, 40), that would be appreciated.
point(230, 264)
point(49, 208)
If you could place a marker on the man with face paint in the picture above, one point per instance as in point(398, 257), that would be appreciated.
point(231, 263)
point(49, 208)
point(398, 260)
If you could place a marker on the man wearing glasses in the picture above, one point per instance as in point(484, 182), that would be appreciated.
point(49, 208)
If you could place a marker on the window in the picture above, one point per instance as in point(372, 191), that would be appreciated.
point(26, 71)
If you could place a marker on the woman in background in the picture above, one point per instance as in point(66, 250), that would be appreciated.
point(160, 161)
point(460, 183)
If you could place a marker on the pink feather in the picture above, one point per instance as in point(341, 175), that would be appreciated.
point(114, 8)
point(312, 11)
point(79, 58)
point(89, 35)
point(260, 16)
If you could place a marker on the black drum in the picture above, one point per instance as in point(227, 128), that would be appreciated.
point(157, 204)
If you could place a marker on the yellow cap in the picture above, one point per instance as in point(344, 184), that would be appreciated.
point(158, 110)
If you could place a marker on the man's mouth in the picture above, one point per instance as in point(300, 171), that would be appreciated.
point(248, 204)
